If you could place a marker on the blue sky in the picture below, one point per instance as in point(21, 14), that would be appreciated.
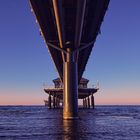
point(25, 63)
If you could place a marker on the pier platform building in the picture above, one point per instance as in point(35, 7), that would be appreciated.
point(55, 94)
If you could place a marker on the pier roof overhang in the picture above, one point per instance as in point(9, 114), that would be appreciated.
point(82, 92)
point(71, 24)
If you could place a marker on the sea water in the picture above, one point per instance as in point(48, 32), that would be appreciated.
point(41, 123)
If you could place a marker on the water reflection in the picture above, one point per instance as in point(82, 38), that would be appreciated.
point(71, 130)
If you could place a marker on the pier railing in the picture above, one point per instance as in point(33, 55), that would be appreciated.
point(46, 86)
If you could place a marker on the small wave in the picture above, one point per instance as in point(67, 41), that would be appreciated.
point(122, 117)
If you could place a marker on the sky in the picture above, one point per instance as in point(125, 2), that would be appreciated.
point(26, 65)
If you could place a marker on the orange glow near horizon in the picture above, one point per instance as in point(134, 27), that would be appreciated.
point(18, 97)
point(122, 96)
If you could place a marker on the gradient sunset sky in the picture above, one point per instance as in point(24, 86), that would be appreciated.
point(25, 64)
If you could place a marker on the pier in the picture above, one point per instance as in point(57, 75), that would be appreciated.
point(70, 28)
point(55, 94)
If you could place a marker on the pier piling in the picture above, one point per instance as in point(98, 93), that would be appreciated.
point(70, 100)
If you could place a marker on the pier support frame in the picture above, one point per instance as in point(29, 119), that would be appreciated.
point(88, 102)
point(54, 101)
point(92, 101)
point(70, 80)
point(49, 101)
point(83, 103)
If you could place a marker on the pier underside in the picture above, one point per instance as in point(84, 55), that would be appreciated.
point(70, 28)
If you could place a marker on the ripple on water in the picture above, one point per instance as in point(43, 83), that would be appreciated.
point(40, 123)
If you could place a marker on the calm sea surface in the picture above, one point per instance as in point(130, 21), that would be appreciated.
point(40, 123)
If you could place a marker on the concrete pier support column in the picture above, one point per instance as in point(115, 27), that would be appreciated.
point(54, 101)
point(70, 80)
point(92, 101)
point(49, 101)
point(88, 99)
point(83, 103)
point(58, 103)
